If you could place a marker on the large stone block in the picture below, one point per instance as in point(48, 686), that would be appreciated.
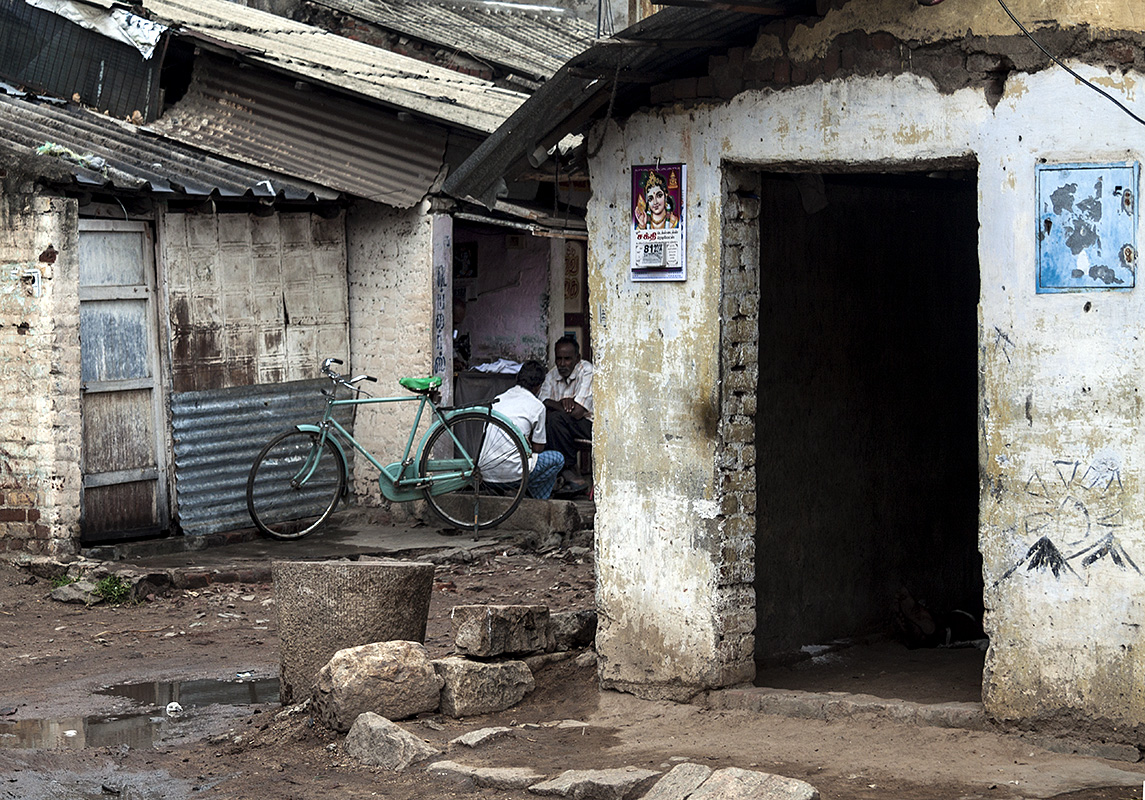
point(733, 783)
point(598, 784)
point(376, 741)
point(495, 630)
point(467, 778)
point(680, 782)
point(474, 687)
point(394, 679)
point(324, 607)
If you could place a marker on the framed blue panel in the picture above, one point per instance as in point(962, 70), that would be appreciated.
point(1087, 227)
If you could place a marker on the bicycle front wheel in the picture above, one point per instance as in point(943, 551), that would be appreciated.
point(295, 484)
point(495, 488)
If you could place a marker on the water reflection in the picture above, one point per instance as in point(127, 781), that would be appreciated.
point(198, 693)
point(141, 729)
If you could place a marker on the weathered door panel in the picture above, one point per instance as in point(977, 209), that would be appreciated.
point(124, 482)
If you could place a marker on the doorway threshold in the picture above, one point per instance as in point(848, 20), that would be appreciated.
point(831, 706)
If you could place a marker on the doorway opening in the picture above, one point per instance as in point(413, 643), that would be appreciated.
point(866, 429)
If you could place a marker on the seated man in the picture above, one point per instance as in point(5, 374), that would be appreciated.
point(523, 409)
point(567, 394)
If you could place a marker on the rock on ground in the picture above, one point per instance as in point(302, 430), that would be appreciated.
point(473, 687)
point(376, 741)
point(597, 784)
point(394, 679)
point(482, 736)
point(733, 783)
point(495, 630)
point(465, 777)
point(77, 592)
point(680, 782)
point(573, 630)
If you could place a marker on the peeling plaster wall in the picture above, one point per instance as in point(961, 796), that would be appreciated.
point(966, 18)
point(390, 262)
point(1062, 451)
point(657, 351)
point(1060, 405)
point(40, 369)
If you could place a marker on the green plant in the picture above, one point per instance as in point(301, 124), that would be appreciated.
point(112, 589)
point(62, 580)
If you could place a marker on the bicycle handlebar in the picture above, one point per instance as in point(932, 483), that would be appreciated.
point(341, 379)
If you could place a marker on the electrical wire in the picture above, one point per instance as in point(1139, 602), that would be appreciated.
point(1061, 64)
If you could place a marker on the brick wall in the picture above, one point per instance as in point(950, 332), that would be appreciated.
point(735, 457)
point(390, 257)
point(40, 371)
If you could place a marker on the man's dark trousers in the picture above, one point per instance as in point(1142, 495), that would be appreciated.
point(562, 430)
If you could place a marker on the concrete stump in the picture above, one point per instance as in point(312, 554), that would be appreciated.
point(324, 607)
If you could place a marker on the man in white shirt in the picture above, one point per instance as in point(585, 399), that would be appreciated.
point(567, 394)
point(521, 406)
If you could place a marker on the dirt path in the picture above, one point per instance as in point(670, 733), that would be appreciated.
point(54, 658)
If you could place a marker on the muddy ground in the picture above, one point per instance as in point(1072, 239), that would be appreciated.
point(54, 659)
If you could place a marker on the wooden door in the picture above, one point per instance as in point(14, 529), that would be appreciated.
point(124, 469)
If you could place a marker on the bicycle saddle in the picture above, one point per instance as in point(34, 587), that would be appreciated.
point(421, 384)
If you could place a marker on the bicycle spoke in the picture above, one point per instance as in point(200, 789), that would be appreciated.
point(496, 486)
point(294, 485)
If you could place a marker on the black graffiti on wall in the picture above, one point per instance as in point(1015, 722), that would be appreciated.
point(1075, 518)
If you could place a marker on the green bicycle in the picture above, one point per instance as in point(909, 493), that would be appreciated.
point(471, 466)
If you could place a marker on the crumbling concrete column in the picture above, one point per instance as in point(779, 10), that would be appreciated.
point(324, 607)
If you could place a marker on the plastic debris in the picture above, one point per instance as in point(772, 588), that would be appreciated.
point(87, 160)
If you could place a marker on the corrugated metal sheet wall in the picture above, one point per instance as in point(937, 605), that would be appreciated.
point(218, 434)
point(49, 55)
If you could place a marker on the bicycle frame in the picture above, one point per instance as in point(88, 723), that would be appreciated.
point(399, 481)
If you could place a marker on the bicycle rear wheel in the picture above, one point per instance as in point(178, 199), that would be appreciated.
point(497, 485)
point(295, 484)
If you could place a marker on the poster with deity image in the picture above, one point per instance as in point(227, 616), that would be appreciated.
point(658, 251)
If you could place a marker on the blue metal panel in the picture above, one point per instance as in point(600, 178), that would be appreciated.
point(1087, 227)
point(217, 435)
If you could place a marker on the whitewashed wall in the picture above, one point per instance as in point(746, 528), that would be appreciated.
point(390, 265)
point(1061, 381)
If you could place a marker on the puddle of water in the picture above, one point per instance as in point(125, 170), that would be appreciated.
point(193, 694)
point(141, 729)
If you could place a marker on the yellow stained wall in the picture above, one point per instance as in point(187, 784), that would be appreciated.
point(1060, 409)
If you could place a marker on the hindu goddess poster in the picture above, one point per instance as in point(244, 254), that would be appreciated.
point(658, 197)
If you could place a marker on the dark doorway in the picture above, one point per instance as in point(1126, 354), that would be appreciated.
point(867, 444)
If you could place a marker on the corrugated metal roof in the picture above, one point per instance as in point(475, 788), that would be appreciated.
point(529, 40)
point(668, 44)
point(132, 159)
point(48, 53)
point(332, 140)
point(312, 53)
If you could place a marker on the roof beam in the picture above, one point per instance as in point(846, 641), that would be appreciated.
point(746, 6)
point(666, 44)
point(606, 74)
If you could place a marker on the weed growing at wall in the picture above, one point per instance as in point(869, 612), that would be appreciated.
point(113, 590)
